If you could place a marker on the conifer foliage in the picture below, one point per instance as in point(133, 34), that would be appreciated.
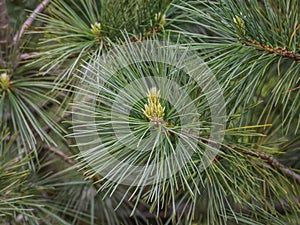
point(150, 112)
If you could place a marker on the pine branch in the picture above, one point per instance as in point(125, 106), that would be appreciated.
point(40, 8)
point(67, 159)
point(277, 165)
point(277, 51)
point(4, 22)
point(47, 128)
point(293, 89)
point(29, 55)
point(59, 153)
point(270, 160)
point(4, 26)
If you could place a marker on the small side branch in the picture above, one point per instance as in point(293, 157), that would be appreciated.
point(270, 160)
point(59, 153)
point(5, 29)
point(293, 89)
point(277, 51)
point(276, 164)
point(48, 128)
point(67, 159)
point(30, 55)
point(40, 8)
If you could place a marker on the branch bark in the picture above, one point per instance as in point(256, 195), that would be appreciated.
point(40, 8)
point(277, 51)
point(277, 165)
point(29, 55)
point(5, 30)
point(270, 160)
point(59, 153)
point(95, 179)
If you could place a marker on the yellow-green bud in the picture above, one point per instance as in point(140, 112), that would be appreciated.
point(160, 19)
point(240, 23)
point(154, 110)
point(4, 81)
point(96, 28)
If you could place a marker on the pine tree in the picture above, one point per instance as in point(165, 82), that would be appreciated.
point(150, 112)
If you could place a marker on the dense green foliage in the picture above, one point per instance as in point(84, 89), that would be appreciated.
point(48, 175)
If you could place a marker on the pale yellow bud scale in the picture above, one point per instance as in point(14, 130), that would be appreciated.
point(154, 110)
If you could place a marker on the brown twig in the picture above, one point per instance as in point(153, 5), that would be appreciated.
point(29, 55)
point(293, 89)
point(40, 8)
point(94, 179)
point(4, 22)
point(47, 128)
point(271, 162)
point(66, 158)
point(277, 51)
point(277, 165)
point(5, 30)
point(59, 153)
point(269, 159)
